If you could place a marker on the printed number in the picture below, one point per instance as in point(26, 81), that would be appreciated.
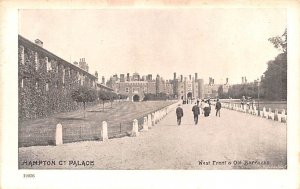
point(28, 175)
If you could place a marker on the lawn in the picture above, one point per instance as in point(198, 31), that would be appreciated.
point(76, 127)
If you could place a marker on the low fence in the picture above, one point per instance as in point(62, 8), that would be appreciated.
point(275, 115)
point(133, 128)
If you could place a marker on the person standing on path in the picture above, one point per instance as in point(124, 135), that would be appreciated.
point(218, 107)
point(179, 114)
point(196, 111)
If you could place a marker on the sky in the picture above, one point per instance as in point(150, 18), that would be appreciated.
point(218, 43)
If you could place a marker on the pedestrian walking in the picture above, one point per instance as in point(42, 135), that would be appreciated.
point(196, 112)
point(179, 114)
point(206, 109)
point(202, 106)
point(218, 107)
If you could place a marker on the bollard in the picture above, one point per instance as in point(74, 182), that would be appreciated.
point(156, 117)
point(270, 114)
point(160, 114)
point(104, 134)
point(145, 124)
point(58, 135)
point(276, 115)
point(149, 121)
point(250, 110)
point(283, 116)
point(152, 118)
point(135, 128)
point(264, 115)
point(261, 113)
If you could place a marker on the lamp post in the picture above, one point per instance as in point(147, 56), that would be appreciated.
point(258, 83)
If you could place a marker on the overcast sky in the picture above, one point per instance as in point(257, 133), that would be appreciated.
point(216, 43)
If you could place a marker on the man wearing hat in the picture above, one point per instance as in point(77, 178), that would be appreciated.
point(179, 113)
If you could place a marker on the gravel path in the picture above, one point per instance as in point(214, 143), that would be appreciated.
point(234, 140)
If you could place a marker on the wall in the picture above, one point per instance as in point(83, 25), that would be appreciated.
point(46, 81)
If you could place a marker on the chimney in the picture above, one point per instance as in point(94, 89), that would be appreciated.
point(103, 80)
point(174, 75)
point(39, 42)
point(181, 78)
point(96, 74)
point(190, 76)
point(226, 80)
point(196, 76)
point(128, 78)
point(243, 80)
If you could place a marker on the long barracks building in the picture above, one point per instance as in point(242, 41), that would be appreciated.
point(46, 80)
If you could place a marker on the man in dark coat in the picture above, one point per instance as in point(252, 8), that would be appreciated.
point(196, 111)
point(179, 113)
point(218, 107)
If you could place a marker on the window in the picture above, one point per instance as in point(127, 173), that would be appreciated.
point(127, 90)
point(22, 55)
point(48, 64)
point(63, 76)
point(22, 83)
point(133, 89)
point(47, 86)
point(36, 60)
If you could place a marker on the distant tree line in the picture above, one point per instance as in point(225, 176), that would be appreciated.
point(273, 85)
point(85, 94)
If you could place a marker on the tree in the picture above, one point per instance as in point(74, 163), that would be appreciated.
point(280, 42)
point(84, 94)
point(104, 96)
point(221, 93)
point(112, 96)
point(274, 81)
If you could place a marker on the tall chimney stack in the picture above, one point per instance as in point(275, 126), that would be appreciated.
point(39, 42)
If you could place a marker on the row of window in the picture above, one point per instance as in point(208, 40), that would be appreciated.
point(135, 89)
point(81, 77)
point(47, 84)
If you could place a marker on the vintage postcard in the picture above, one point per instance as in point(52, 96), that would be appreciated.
point(144, 88)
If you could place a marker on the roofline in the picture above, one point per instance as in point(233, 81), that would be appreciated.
point(24, 40)
point(104, 86)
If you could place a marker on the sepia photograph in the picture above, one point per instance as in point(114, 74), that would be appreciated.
point(149, 94)
point(152, 89)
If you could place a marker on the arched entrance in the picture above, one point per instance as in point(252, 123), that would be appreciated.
point(136, 98)
point(189, 97)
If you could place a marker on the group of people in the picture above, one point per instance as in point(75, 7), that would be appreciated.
point(204, 106)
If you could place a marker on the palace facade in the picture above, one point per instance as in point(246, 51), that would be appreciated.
point(45, 81)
